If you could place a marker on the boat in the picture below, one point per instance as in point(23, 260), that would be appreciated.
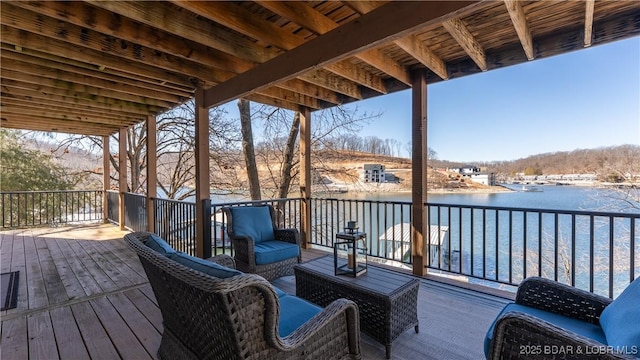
point(531, 188)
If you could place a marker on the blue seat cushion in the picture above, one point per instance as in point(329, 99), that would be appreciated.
point(574, 325)
point(620, 320)
point(156, 243)
point(294, 312)
point(269, 252)
point(252, 221)
point(279, 292)
point(202, 265)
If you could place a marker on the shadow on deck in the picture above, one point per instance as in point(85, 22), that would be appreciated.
point(83, 294)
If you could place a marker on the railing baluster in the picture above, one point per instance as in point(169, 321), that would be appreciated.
point(611, 252)
point(555, 247)
point(573, 249)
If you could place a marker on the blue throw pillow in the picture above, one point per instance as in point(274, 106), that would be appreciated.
point(252, 221)
point(156, 243)
point(620, 320)
point(202, 265)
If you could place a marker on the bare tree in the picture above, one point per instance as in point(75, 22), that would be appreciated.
point(248, 150)
point(175, 152)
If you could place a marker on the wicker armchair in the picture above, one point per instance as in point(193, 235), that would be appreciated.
point(249, 244)
point(237, 318)
point(519, 331)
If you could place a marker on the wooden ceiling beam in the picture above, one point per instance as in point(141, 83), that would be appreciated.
point(106, 22)
point(467, 41)
point(27, 41)
point(21, 58)
point(16, 121)
point(243, 21)
point(279, 103)
point(104, 72)
point(308, 17)
point(410, 44)
point(387, 23)
point(39, 91)
point(312, 90)
point(588, 22)
point(66, 85)
point(66, 116)
point(416, 48)
point(60, 107)
point(172, 19)
point(184, 24)
point(519, 20)
point(332, 82)
point(287, 95)
point(79, 36)
point(61, 75)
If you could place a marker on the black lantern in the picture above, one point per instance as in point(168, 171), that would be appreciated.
point(350, 251)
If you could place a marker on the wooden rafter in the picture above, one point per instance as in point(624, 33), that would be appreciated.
point(410, 44)
point(467, 41)
point(519, 20)
point(372, 29)
point(240, 19)
point(183, 24)
point(588, 22)
point(416, 48)
point(313, 20)
point(66, 96)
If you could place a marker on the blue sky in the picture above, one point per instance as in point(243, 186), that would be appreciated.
point(584, 99)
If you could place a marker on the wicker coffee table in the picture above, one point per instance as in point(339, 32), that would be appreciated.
point(387, 300)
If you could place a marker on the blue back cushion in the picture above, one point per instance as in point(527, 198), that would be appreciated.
point(577, 326)
point(269, 252)
point(252, 221)
point(156, 243)
point(620, 320)
point(294, 312)
point(202, 265)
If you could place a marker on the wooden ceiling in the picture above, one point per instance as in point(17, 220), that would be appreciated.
point(92, 67)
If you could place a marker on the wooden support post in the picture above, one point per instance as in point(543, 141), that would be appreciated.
point(122, 174)
point(305, 176)
point(152, 172)
point(203, 196)
point(419, 234)
point(106, 179)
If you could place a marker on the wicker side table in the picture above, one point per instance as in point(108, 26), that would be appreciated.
point(387, 300)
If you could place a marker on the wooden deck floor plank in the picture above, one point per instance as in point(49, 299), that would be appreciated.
point(18, 264)
point(108, 259)
point(119, 333)
point(125, 257)
point(144, 330)
point(68, 337)
point(68, 278)
point(42, 341)
point(97, 274)
point(93, 334)
point(6, 249)
point(85, 278)
point(15, 338)
point(148, 291)
point(147, 307)
point(35, 281)
point(56, 292)
point(104, 261)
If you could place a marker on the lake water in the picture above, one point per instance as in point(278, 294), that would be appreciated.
point(509, 245)
point(550, 198)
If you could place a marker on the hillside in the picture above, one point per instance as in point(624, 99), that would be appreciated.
point(342, 170)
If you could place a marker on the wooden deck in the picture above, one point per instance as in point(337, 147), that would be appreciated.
point(83, 295)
